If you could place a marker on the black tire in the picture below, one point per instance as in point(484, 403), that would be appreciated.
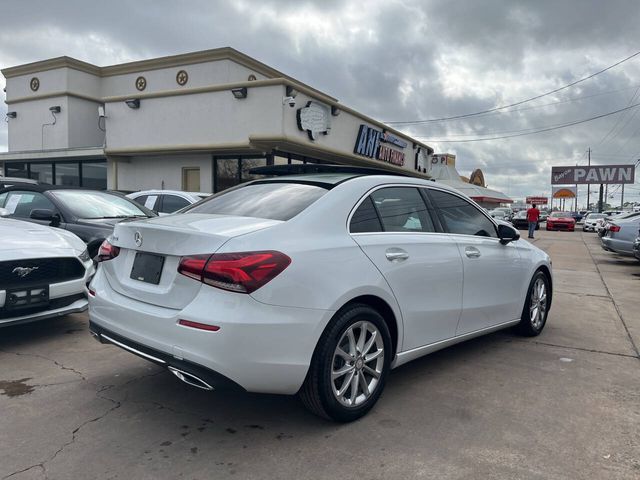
point(527, 327)
point(317, 391)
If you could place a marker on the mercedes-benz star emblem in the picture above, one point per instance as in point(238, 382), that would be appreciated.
point(23, 271)
point(137, 237)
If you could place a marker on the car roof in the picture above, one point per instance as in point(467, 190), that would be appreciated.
point(44, 188)
point(166, 192)
point(18, 179)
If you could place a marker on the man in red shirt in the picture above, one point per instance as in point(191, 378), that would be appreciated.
point(533, 214)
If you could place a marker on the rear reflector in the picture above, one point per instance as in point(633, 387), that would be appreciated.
point(199, 326)
point(242, 272)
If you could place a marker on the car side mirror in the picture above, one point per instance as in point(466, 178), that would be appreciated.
point(507, 233)
point(46, 215)
point(4, 212)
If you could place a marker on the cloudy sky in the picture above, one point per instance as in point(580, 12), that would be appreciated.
point(397, 61)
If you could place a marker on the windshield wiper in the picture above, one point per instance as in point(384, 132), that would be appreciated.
point(117, 216)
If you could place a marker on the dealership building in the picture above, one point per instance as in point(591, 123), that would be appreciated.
point(197, 122)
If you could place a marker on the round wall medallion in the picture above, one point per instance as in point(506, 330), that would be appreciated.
point(252, 77)
point(182, 77)
point(34, 84)
point(141, 83)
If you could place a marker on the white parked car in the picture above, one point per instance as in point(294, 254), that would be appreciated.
point(315, 284)
point(590, 221)
point(43, 272)
point(164, 202)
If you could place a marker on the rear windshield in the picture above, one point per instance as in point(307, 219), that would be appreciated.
point(273, 201)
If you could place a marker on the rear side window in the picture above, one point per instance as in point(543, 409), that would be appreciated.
point(274, 201)
point(460, 216)
point(365, 219)
point(172, 203)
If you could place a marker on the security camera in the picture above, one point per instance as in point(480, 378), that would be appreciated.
point(291, 101)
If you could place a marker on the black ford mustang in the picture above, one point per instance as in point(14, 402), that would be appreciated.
point(90, 214)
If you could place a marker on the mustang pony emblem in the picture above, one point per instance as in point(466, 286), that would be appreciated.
point(23, 271)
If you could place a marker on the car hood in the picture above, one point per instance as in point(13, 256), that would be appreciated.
point(20, 239)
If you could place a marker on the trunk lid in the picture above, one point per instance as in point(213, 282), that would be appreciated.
point(171, 237)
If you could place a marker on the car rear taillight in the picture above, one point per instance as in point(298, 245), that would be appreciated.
point(242, 272)
point(107, 252)
point(614, 228)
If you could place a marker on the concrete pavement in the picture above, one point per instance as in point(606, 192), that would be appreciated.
point(564, 405)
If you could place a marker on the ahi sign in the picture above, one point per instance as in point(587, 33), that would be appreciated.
point(369, 143)
point(593, 175)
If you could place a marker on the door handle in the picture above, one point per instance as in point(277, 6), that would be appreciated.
point(396, 254)
point(472, 252)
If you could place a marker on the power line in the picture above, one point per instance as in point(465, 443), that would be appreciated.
point(547, 129)
point(466, 115)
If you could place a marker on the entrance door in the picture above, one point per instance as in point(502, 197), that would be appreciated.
point(191, 179)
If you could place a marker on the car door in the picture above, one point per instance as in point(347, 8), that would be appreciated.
point(422, 266)
point(493, 273)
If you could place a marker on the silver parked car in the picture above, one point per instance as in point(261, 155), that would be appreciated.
point(620, 235)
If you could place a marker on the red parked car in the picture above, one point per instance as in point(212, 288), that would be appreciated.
point(561, 221)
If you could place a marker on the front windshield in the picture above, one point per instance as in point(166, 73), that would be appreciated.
point(93, 204)
point(559, 214)
point(522, 214)
point(591, 216)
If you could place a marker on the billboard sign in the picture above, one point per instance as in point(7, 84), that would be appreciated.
point(564, 192)
point(537, 200)
point(593, 174)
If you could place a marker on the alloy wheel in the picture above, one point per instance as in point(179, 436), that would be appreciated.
point(357, 364)
point(538, 303)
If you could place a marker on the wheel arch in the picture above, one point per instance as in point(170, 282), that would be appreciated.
point(384, 309)
point(547, 273)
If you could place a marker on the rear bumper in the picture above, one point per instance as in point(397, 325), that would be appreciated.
point(259, 347)
point(197, 375)
point(620, 247)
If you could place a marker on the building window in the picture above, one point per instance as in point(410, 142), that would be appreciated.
point(42, 172)
point(67, 174)
point(94, 175)
point(227, 173)
point(19, 170)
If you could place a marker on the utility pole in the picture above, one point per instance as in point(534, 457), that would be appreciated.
point(622, 198)
point(600, 200)
point(588, 186)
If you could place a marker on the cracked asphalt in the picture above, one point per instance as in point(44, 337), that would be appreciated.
point(564, 405)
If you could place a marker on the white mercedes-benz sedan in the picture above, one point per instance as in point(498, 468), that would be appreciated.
point(315, 284)
point(44, 272)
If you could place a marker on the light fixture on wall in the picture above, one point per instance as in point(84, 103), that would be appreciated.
point(133, 103)
point(55, 109)
point(12, 114)
point(335, 111)
point(240, 92)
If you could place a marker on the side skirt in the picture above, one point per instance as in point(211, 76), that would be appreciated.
point(404, 357)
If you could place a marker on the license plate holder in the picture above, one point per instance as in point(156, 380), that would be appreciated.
point(27, 297)
point(147, 268)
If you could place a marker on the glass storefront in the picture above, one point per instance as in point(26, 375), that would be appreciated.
point(84, 173)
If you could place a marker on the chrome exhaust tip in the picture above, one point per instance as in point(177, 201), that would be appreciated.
point(190, 379)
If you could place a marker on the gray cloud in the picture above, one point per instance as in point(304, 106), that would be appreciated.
point(393, 60)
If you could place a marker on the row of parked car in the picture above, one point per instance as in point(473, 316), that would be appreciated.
point(311, 284)
point(620, 233)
